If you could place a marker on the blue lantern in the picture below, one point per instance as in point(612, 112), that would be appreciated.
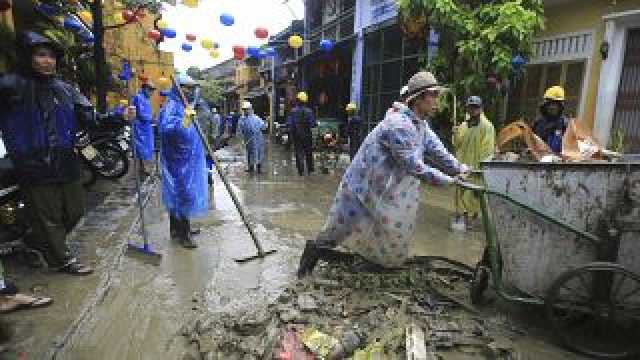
point(168, 33)
point(253, 51)
point(517, 62)
point(125, 72)
point(70, 23)
point(187, 47)
point(87, 37)
point(216, 45)
point(227, 19)
point(326, 45)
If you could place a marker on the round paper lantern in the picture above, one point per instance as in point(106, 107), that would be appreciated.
point(129, 16)
point(154, 35)
point(86, 17)
point(517, 62)
point(227, 19)
point(162, 24)
point(295, 41)
point(253, 51)
point(216, 45)
point(238, 52)
point(206, 44)
point(238, 56)
point(163, 82)
point(71, 23)
point(326, 45)
point(214, 54)
point(4, 5)
point(87, 37)
point(190, 3)
point(262, 33)
point(190, 37)
point(187, 47)
point(168, 33)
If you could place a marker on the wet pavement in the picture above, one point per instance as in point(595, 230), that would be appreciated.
point(132, 309)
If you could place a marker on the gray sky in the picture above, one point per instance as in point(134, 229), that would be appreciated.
point(204, 22)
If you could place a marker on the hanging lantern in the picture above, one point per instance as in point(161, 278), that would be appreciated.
point(87, 37)
point(190, 37)
point(295, 41)
point(86, 17)
point(124, 102)
point(206, 44)
point(238, 56)
point(162, 24)
point(227, 19)
point(187, 47)
point(190, 3)
point(216, 45)
point(129, 16)
point(517, 62)
point(238, 52)
point(154, 35)
point(214, 54)
point(5, 5)
point(261, 33)
point(70, 23)
point(253, 51)
point(163, 82)
point(168, 33)
point(326, 45)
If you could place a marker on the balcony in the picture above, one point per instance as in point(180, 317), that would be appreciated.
point(339, 29)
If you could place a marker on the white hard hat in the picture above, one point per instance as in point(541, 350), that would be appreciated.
point(246, 105)
point(185, 80)
point(404, 91)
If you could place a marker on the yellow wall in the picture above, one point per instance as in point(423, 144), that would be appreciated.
point(131, 42)
point(244, 74)
point(581, 15)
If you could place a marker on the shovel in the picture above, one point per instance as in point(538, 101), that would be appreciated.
point(261, 252)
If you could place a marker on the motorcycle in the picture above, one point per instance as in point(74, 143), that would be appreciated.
point(104, 148)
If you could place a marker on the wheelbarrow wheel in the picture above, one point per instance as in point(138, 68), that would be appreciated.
point(595, 310)
point(479, 283)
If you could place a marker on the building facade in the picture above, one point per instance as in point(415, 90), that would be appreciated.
point(225, 75)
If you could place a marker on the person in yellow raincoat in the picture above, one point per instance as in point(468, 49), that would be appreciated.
point(474, 142)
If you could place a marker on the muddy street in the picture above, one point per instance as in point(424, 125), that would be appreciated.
point(201, 304)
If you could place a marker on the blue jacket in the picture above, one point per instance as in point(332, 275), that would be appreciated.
point(183, 165)
point(142, 127)
point(39, 121)
point(551, 131)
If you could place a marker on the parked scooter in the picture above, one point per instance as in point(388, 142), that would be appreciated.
point(102, 149)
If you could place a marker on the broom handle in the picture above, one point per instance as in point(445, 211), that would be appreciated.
point(236, 202)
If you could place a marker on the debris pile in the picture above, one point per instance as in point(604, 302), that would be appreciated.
point(342, 313)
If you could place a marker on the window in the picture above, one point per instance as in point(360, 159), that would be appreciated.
point(389, 61)
point(529, 90)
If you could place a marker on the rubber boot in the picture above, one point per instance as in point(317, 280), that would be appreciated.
point(309, 259)
point(187, 239)
point(175, 229)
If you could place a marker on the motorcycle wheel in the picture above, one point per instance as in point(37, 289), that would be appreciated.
point(114, 161)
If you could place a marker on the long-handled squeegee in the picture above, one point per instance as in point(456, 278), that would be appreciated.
point(261, 253)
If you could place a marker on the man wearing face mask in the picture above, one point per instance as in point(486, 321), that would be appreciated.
point(553, 124)
point(251, 127)
point(374, 210)
point(40, 117)
point(142, 126)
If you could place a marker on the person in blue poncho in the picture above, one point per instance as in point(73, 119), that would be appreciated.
point(183, 167)
point(251, 127)
point(142, 126)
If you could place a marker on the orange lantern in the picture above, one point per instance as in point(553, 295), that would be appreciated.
point(154, 35)
point(261, 33)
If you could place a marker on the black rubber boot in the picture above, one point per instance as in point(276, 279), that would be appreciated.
point(175, 229)
point(187, 239)
point(309, 260)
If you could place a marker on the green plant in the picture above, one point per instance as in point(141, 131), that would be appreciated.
point(617, 141)
point(478, 39)
point(211, 91)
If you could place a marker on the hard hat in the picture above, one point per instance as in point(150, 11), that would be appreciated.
point(474, 101)
point(555, 93)
point(351, 107)
point(302, 97)
point(185, 80)
point(246, 105)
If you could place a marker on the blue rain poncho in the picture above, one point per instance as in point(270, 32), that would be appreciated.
point(183, 165)
point(142, 127)
point(251, 128)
